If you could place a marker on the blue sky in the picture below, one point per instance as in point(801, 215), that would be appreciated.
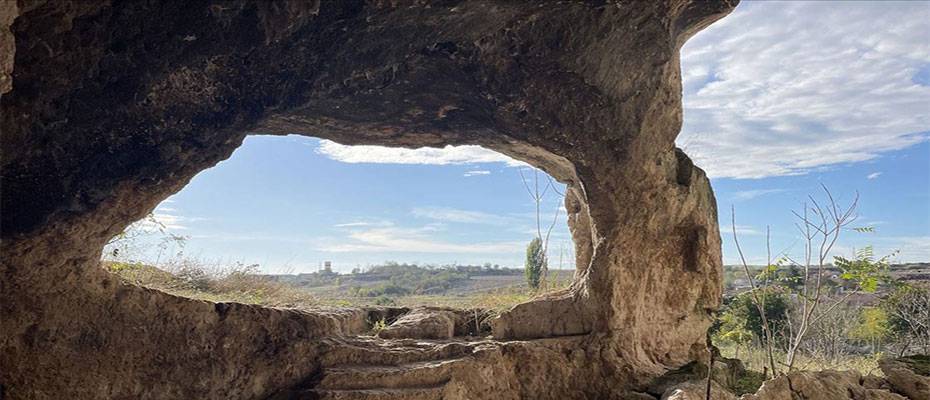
point(283, 203)
point(778, 98)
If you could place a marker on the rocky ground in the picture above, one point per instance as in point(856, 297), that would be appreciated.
point(432, 353)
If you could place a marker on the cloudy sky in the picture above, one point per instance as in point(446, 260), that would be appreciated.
point(779, 98)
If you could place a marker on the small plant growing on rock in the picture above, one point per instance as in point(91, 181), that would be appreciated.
point(378, 326)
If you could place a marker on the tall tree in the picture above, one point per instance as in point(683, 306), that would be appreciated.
point(543, 246)
point(535, 263)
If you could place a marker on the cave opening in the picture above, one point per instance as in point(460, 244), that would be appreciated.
point(104, 131)
point(297, 221)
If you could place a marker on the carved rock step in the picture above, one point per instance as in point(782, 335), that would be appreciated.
point(426, 393)
point(392, 352)
point(410, 375)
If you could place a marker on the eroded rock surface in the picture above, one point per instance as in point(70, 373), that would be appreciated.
point(905, 378)
point(821, 385)
point(697, 390)
point(113, 107)
point(909, 376)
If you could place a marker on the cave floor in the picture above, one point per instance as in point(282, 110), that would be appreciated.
point(369, 367)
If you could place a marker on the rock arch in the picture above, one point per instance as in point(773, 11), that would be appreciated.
point(109, 108)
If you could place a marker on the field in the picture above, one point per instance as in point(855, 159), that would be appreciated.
point(391, 284)
point(410, 285)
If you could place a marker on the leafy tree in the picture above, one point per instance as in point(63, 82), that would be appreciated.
point(873, 326)
point(776, 312)
point(864, 271)
point(792, 278)
point(538, 275)
point(535, 263)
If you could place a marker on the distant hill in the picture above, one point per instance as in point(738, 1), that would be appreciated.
point(400, 279)
point(396, 279)
point(912, 273)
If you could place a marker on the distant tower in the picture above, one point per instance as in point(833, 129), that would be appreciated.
point(328, 266)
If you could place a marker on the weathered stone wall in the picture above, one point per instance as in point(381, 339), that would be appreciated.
point(107, 109)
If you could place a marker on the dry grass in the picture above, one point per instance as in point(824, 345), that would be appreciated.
point(754, 358)
point(189, 278)
point(495, 300)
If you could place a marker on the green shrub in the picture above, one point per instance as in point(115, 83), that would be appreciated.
point(749, 382)
point(385, 301)
point(383, 289)
point(740, 312)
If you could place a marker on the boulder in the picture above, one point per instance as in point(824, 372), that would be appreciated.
point(421, 323)
point(820, 385)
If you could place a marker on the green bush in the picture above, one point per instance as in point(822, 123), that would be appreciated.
point(385, 301)
point(749, 382)
point(383, 289)
point(740, 313)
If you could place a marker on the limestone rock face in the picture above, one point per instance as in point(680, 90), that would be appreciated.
point(903, 376)
point(109, 108)
point(820, 385)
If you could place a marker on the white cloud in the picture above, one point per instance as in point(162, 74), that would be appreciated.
point(457, 215)
point(165, 216)
point(164, 220)
point(171, 222)
point(912, 248)
point(751, 194)
point(785, 88)
point(386, 240)
point(727, 230)
point(477, 172)
point(254, 237)
point(352, 224)
point(873, 175)
point(448, 155)
point(362, 223)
